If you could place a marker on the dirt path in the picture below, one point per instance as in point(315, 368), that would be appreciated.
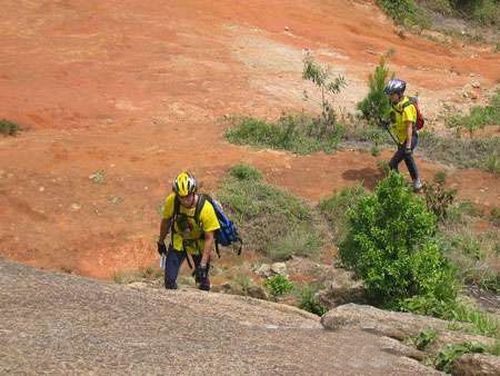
point(132, 91)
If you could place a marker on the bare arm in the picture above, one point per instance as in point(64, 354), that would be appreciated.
point(207, 249)
point(164, 228)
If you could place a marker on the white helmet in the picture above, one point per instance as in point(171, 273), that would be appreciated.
point(395, 86)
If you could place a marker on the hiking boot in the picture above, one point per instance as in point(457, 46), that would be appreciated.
point(417, 185)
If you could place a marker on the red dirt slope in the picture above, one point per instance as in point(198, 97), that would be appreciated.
point(136, 88)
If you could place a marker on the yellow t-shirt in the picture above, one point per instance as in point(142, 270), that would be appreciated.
point(188, 234)
point(400, 114)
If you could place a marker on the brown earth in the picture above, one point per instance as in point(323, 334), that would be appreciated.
point(134, 90)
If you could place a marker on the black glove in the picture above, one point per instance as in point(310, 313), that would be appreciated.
point(202, 274)
point(385, 124)
point(162, 248)
point(408, 151)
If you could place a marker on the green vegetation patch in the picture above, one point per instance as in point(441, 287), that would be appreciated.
point(297, 133)
point(405, 12)
point(445, 358)
point(476, 256)
point(8, 128)
point(271, 220)
point(464, 153)
point(411, 13)
point(478, 116)
point(424, 339)
point(308, 300)
point(484, 12)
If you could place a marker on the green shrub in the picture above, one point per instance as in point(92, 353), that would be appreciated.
point(391, 246)
point(8, 128)
point(272, 220)
point(278, 285)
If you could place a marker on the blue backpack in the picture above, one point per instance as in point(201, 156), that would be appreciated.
point(227, 234)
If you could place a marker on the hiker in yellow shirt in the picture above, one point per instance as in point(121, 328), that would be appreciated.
point(403, 119)
point(192, 231)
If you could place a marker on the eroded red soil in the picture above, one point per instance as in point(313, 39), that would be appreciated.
point(135, 89)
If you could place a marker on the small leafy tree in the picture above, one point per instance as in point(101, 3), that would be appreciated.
point(375, 106)
point(322, 78)
point(391, 246)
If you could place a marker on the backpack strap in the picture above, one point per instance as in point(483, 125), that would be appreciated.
point(199, 205)
point(409, 102)
point(177, 208)
point(403, 106)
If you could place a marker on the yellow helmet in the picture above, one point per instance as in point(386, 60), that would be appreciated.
point(184, 184)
